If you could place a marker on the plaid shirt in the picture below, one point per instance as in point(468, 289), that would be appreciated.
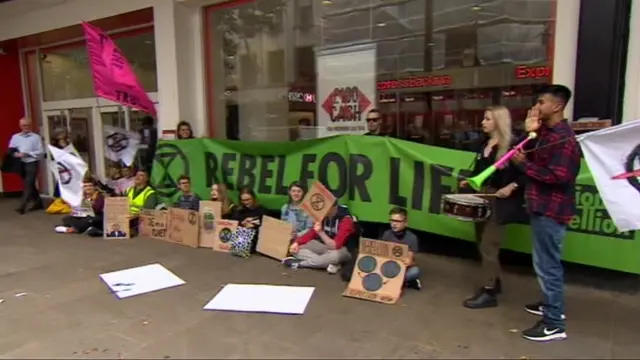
point(551, 173)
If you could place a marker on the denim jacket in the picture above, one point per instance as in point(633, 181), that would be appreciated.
point(294, 215)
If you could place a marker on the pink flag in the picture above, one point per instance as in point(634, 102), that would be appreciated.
point(113, 77)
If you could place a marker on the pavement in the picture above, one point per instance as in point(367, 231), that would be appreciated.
point(55, 306)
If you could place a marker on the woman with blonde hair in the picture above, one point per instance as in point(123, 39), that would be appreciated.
point(220, 193)
point(507, 185)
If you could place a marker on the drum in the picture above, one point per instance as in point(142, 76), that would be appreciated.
point(466, 207)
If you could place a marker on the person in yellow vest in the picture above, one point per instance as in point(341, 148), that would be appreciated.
point(141, 196)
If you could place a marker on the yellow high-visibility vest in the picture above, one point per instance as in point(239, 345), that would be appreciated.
point(137, 203)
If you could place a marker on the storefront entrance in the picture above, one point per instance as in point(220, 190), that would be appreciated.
point(84, 120)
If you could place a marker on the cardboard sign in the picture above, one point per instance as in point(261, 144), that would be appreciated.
point(153, 224)
point(116, 218)
point(378, 274)
point(275, 238)
point(318, 201)
point(210, 211)
point(224, 230)
point(183, 227)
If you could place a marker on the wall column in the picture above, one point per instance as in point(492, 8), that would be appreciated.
point(179, 64)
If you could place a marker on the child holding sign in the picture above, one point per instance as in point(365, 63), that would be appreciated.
point(400, 234)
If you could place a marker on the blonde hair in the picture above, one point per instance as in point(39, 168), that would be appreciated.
point(502, 120)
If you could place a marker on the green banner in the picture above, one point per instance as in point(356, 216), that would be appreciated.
point(371, 175)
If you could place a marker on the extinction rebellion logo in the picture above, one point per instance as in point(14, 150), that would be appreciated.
point(632, 169)
point(171, 163)
point(117, 142)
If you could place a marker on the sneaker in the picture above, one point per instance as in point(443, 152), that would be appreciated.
point(543, 332)
point(61, 229)
point(537, 308)
point(333, 269)
point(415, 284)
point(291, 262)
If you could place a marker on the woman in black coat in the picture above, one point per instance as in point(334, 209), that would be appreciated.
point(507, 207)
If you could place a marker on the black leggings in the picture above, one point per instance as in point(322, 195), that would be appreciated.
point(81, 224)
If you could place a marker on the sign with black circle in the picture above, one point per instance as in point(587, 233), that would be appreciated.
point(117, 142)
point(64, 173)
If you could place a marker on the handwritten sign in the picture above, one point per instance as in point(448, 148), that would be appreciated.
point(224, 233)
point(318, 201)
point(378, 274)
point(116, 218)
point(183, 227)
point(153, 224)
point(210, 211)
point(274, 238)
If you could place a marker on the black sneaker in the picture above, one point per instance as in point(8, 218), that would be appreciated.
point(543, 332)
point(414, 284)
point(484, 298)
point(537, 308)
point(291, 262)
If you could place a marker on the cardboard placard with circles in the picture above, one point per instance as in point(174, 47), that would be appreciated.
point(275, 238)
point(116, 218)
point(183, 227)
point(224, 231)
point(318, 201)
point(210, 212)
point(378, 274)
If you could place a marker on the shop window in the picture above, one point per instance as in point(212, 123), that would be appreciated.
point(66, 72)
point(439, 63)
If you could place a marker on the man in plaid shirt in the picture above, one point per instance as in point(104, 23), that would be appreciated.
point(551, 168)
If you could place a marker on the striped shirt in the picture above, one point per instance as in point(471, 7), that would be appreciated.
point(188, 202)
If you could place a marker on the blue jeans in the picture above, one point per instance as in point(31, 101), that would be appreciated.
point(412, 274)
point(548, 236)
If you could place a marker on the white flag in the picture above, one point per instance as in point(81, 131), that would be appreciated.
point(613, 156)
point(69, 174)
point(120, 144)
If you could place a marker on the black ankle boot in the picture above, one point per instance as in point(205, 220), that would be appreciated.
point(484, 298)
point(497, 286)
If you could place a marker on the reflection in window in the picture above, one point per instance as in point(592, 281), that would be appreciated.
point(66, 72)
point(439, 62)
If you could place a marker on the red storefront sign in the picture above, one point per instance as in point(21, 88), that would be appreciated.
point(532, 72)
point(415, 82)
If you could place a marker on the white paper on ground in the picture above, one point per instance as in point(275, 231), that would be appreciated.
point(140, 280)
point(262, 298)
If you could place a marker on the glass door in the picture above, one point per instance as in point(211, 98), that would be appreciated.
point(81, 134)
point(55, 122)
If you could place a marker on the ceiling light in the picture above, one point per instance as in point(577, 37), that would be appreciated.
point(476, 8)
point(381, 24)
point(327, 2)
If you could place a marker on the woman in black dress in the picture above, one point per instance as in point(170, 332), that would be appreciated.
point(507, 206)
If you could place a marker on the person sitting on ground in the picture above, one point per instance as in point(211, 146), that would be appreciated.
point(220, 193)
point(324, 245)
point(187, 199)
point(141, 196)
point(292, 213)
point(249, 217)
point(400, 234)
point(88, 216)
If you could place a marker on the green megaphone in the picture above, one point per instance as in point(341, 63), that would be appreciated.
point(477, 181)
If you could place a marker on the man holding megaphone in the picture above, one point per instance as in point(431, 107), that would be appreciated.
point(505, 184)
